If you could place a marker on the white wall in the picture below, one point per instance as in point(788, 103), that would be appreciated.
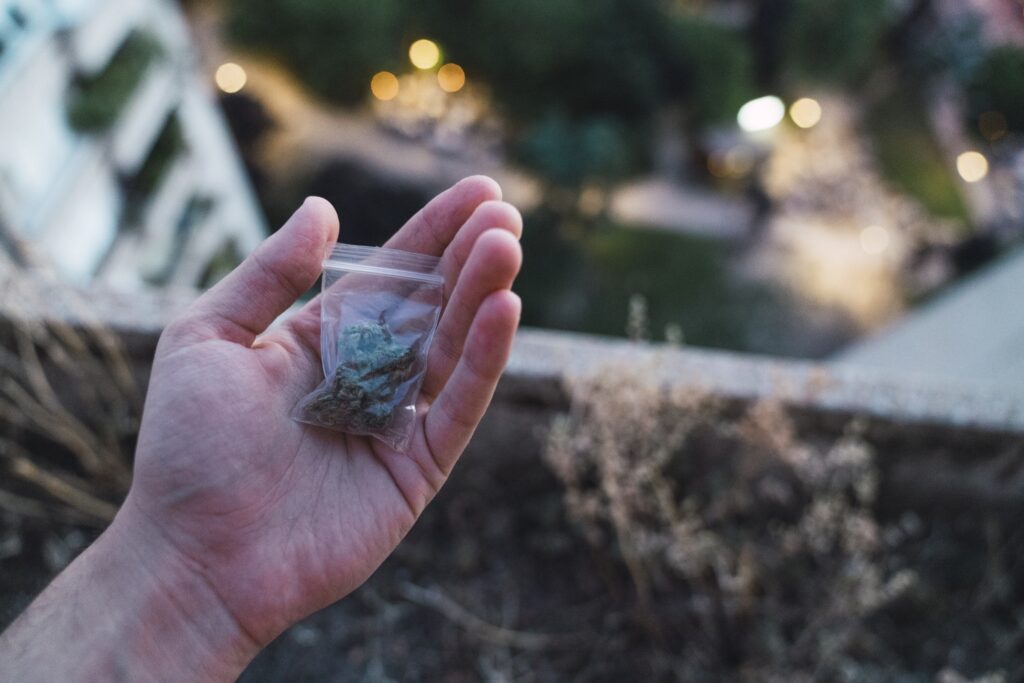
point(35, 141)
point(59, 190)
point(83, 228)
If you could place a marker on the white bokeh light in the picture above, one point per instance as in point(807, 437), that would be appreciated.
point(764, 113)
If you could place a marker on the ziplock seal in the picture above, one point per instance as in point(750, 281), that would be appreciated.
point(388, 272)
point(384, 261)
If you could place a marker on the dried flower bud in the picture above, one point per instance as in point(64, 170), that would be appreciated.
point(363, 392)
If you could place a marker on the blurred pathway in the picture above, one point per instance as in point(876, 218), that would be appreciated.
point(659, 203)
point(309, 134)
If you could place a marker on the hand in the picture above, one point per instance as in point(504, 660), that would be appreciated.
point(266, 520)
point(281, 518)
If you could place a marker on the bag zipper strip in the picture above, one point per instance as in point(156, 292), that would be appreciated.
point(405, 260)
point(433, 278)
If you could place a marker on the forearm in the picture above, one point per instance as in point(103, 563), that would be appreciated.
point(127, 609)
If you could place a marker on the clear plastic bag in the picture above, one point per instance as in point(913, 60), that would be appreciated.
point(379, 310)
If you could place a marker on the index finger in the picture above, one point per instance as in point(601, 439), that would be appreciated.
point(434, 226)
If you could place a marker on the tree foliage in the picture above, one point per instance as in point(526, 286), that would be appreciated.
point(708, 67)
point(607, 58)
point(578, 82)
point(828, 41)
point(584, 57)
point(334, 47)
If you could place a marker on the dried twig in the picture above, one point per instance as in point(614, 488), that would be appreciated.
point(68, 384)
point(63, 487)
point(435, 599)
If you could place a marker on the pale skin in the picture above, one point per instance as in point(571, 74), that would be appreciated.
point(240, 522)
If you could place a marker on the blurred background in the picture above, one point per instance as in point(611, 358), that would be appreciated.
point(831, 189)
point(774, 176)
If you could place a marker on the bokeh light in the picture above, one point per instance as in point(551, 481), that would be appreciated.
point(874, 239)
point(424, 54)
point(384, 86)
point(451, 78)
point(992, 125)
point(761, 114)
point(230, 77)
point(805, 112)
point(972, 166)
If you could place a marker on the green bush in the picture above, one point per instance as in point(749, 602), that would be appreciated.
point(585, 281)
point(96, 101)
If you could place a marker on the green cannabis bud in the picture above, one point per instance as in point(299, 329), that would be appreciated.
point(366, 387)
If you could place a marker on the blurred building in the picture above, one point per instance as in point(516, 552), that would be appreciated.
point(115, 162)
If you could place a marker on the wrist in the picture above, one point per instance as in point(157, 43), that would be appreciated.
point(166, 612)
point(129, 608)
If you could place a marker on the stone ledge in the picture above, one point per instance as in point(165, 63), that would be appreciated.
point(543, 356)
point(545, 363)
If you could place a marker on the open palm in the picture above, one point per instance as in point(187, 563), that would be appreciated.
point(280, 518)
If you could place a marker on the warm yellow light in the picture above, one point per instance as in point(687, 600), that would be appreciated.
point(874, 239)
point(761, 114)
point(230, 77)
point(384, 86)
point(805, 112)
point(972, 166)
point(424, 54)
point(451, 78)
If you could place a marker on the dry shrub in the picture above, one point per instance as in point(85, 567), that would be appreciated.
point(69, 404)
point(748, 545)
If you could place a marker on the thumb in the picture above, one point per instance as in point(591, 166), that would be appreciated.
point(279, 271)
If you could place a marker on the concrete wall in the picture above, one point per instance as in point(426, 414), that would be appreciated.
point(942, 442)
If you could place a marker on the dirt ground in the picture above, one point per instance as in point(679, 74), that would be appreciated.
point(496, 583)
